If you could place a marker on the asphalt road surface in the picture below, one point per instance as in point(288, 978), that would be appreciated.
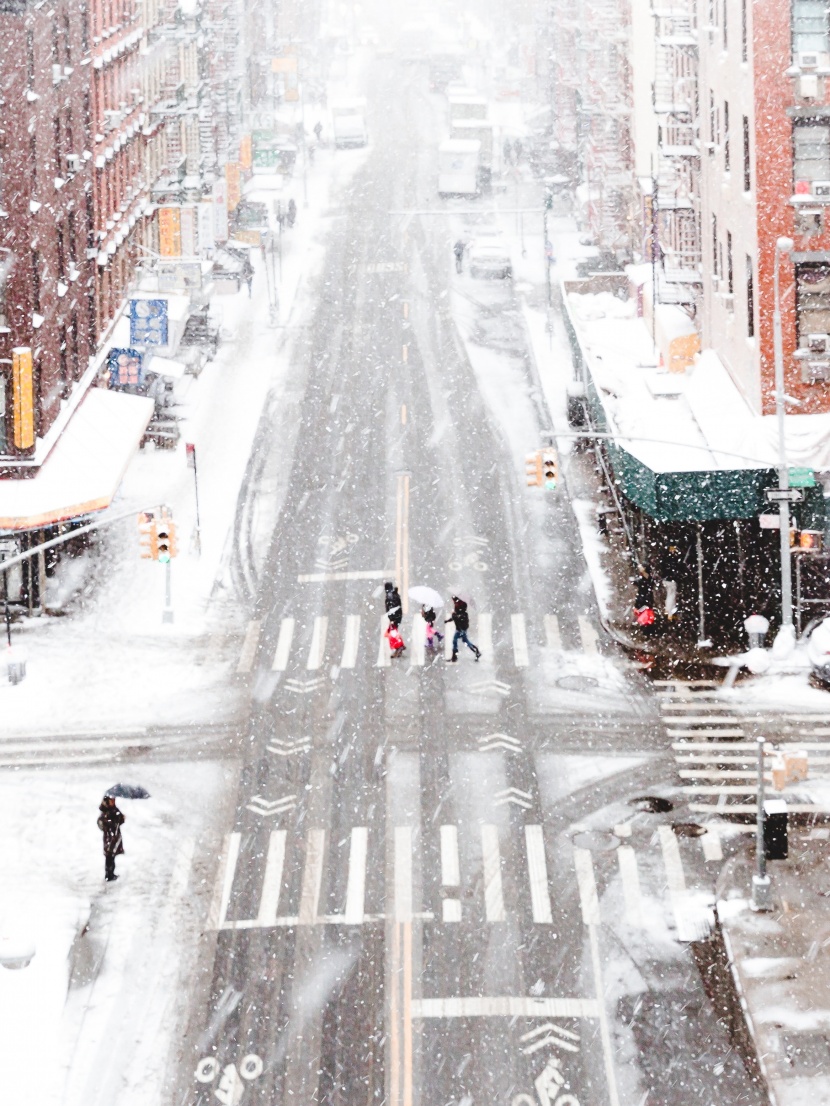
point(409, 908)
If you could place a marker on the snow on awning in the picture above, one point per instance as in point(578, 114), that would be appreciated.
point(84, 469)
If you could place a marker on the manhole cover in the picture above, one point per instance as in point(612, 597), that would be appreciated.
point(651, 804)
point(577, 683)
point(688, 829)
point(595, 841)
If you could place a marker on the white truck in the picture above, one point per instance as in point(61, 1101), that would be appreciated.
point(348, 120)
point(458, 164)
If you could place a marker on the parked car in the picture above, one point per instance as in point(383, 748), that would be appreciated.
point(489, 257)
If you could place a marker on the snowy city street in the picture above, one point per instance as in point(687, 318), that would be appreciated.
point(423, 637)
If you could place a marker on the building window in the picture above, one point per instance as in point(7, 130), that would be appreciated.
point(811, 30)
point(747, 164)
point(4, 384)
point(750, 299)
point(744, 32)
point(715, 269)
point(725, 137)
point(811, 154)
point(812, 299)
point(36, 280)
point(730, 286)
point(726, 24)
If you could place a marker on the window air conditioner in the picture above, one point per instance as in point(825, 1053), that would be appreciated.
point(818, 343)
point(821, 188)
point(808, 59)
point(808, 86)
point(57, 74)
point(728, 299)
point(815, 372)
point(73, 162)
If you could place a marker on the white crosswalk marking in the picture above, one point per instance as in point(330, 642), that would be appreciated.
point(627, 860)
point(690, 926)
point(537, 870)
point(317, 651)
point(224, 880)
point(269, 900)
point(711, 845)
point(249, 646)
point(450, 873)
point(283, 645)
point(449, 630)
point(356, 884)
point(484, 635)
point(588, 636)
point(403, 873)
point(384, 655)
point(351, 641)
point(312, 877)
point(584, 865)
point(419, 638)
point(491, 862)
point(553, 638)
point(517, 626)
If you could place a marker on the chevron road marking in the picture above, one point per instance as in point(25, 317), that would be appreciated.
point(288, 748)
point(283, 645)
point(305, 687)
point(249, 647)
point(491, 685)
point(554, 1035)
point(537, 870)
point(269, 900)
point(519, 633)
point(553, 638)
point(491, 861)
point(351, 641)
point(627, 860)
point(504, 741)
point(267, 808)
point(515, 796)
point(317, 651)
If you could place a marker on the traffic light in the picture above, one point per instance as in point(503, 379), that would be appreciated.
point(147, 536)
point(533, 469)
point(166, 548)
point(550, 472)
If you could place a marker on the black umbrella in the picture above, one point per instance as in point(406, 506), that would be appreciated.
point(128, 791)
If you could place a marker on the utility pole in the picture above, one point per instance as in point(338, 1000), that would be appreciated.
point(761, 888)
point(782, 246)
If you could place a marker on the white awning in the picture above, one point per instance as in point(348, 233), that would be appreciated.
point(85, 467)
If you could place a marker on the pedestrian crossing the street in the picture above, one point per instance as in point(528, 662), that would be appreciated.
point(283, 882)
point(510, 640)
point(715, 743)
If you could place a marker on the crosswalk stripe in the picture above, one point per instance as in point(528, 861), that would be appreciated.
point(587, 884)
point(224, 880)
point(403, 873)
point(537, 870)
point(710, 842)
point(553, 638)
point(419, 638)
point(684, 924)
point(283, 645)
point(351, 641)
point(312, 877)
point(588, 636)
point(317, 651)
point(491, 860)
point(517, 626)
point(448, 635)
point(627, 860)
point(356, 883)
point(249, 646)
point(384, 655)
point(484, 635)
point(272, 883)
point(450, 867)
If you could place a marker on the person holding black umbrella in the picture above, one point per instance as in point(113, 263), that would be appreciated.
point(110, 822)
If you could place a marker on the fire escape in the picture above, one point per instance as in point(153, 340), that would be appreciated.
point(565, 18)
point(678, 162)
point(605, 129)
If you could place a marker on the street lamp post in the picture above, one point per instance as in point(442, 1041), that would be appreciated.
point(761, 886)
point(782, 246)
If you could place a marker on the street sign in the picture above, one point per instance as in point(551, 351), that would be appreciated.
point(802, 478)
point(784, 495)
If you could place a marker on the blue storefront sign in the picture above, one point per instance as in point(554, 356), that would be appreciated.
point(148, 322)
point(126, 368)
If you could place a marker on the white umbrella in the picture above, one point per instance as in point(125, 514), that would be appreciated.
point(429, 597)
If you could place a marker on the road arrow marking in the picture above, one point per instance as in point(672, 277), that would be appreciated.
point(491, 685)
point(536, 1041)
point(515, 796)
point(288, 748)
point(492, 741)
point(267, 808)
point(305, 687)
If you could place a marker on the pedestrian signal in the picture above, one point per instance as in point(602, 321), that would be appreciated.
point(550, 472)
point(533, 469)
point(166, 540)
point(147, 536)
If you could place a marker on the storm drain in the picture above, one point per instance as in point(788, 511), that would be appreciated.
point(688, 829)
point(595, 841)
point(651, 804)
point(577, 683)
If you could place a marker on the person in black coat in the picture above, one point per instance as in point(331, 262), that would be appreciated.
point(110, 822)
point(394, 609)
point(461, 619)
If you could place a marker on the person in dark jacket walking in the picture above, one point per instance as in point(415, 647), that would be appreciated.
point(461, 619)
point(110, 821)
point(292, 212)
point(394, 610)
point(644, 600)
point(458, 249)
